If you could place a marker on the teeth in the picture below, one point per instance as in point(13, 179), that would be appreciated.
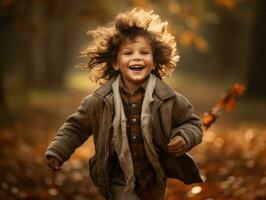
point(135, 67)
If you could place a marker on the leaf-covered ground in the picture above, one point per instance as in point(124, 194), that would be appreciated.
point(231, 159)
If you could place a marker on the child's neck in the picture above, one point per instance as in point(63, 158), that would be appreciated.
point(132, 87)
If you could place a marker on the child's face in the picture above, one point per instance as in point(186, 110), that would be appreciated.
point(135, 61)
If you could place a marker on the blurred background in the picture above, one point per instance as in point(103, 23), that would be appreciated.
point(220, 42)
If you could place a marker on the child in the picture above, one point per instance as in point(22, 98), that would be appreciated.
point(141, 128)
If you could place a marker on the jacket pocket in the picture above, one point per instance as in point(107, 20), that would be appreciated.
point(182, 167)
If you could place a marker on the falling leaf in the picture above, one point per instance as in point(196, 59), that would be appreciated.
point(208, 119)
point(227, 101)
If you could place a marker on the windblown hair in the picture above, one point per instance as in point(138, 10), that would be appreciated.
point(102, 52)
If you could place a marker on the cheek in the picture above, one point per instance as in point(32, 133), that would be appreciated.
point(123, 60)
point(151, 62)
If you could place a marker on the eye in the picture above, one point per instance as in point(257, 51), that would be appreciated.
point(145, 52)
point(126, 52)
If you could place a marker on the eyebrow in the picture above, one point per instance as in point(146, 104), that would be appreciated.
point(145, 47)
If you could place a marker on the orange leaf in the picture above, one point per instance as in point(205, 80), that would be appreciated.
point(239, 89)
point(208, 119)
point(230, 105)
point(227, 101)
point(229, 98)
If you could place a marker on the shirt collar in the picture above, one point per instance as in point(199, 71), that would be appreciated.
point(162, 90)
point(123, 88)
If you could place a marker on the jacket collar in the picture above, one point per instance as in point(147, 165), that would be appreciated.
point(162, 90)
point(105, 89)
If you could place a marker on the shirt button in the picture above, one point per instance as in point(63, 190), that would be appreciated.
point(134, 119)
point(134, 105)
point(134, 153)
point(134, 137)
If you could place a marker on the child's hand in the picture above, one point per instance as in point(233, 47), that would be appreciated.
point(177, 146)
point(54, 163)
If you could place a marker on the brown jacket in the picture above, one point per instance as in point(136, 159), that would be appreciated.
point(172, 115)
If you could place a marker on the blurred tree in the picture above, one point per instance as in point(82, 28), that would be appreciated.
point(48, 39)
point(58, 39)
point(2, 97)
point(256, 81)
point(37, 37)
point(6, 12)
point(34, 44)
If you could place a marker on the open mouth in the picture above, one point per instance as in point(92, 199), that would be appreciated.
point(136, 67)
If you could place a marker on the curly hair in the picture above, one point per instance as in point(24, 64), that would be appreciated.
point(102, 52)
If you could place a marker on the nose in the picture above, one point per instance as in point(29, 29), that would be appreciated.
point(136, 56)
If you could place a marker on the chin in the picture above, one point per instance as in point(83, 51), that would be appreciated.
point(139, 81)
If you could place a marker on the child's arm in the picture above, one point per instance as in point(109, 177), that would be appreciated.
point(76, 129)
point(186, 127)
point(53, 163)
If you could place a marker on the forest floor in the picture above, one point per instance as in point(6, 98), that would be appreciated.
point(231, 157)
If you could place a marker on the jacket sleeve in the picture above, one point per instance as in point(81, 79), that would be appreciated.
point(76, 129)
point(185, 123)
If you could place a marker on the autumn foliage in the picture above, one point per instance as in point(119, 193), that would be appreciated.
point(231, 159)
point(227, 101)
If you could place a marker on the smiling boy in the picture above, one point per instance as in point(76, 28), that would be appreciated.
point(142, 128)
point(135, 62)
